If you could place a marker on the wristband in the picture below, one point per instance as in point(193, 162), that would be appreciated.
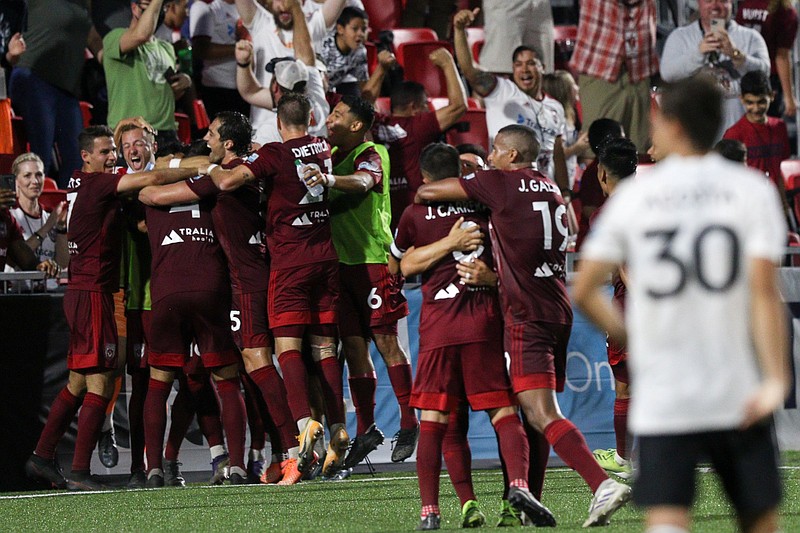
point(330, 179)
point(175, 163)
point(243, 65)
point(210, 168)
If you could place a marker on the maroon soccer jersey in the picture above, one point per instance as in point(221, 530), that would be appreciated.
point(767, 144)
point(239, 227)
point(528, 227)
point(186, 254)
point(405, 137)
point(10, 231)
point(778, 29)
point(94, 231)
point(298, 227)
point(451, 313)
point(589, 195)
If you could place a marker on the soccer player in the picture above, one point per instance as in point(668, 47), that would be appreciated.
point(93, 232)
point(701, 238)
point(536, 308)
point(303, 283)
point(371, 301)
point(461, 351)
point(239, 227)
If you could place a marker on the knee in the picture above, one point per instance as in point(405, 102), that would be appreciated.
point(323, 349)
point(390, 349)
point(225, 372)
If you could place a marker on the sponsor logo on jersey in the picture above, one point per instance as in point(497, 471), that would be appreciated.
point(172, 238)
point(256, 239)
point(310, 199)
point(451, 291)
point(469, 176)
point(252, 157)
point(544, 271)
point(302, 221)
point(389, 133)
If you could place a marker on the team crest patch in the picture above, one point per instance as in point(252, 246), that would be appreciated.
point(368, 165)
point(110, 352)
point(252, 157)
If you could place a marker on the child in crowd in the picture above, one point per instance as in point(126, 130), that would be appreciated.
point(344, 53)
point(561, 86)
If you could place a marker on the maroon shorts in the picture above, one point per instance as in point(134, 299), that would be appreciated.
point(448, 374)
point(620, 370)
point(193, 366)
point(538, 353)
point(92, 331)
point(137, 345)
point(371, 300)
point(304, 295)
point(616, 353)
point(249, 320)
point(183, 317)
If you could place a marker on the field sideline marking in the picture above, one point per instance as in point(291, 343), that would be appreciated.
point(478, 473)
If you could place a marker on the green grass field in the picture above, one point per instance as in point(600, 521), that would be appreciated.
point(362, 503)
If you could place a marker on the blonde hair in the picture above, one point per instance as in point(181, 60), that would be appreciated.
point(24, 158)
point(560, 85)
point(775, 4)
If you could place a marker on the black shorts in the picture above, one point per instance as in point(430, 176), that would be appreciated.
point(746, 462)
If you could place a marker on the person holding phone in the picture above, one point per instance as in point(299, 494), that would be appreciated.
point(718, 45)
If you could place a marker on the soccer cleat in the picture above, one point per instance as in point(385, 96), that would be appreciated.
point(509, 517)
point(404, 443)
point(255, 469)
point(291, 474)
point(363, 445)
point(172, 474)
point(337, 448)
point(237, 476)
point(137, 480)
point(272, 474)
point(431, 521)
point(530, 510)
point(607, 459)
point(609, 496)
point(79, 481)
point(219, 469)
point(155, 479)
point(307, 439)
point(45, 470)
point(107, 449)
point(471, 515)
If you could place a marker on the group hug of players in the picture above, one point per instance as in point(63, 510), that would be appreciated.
point(330, 276)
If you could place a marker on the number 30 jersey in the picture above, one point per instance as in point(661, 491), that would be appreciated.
point(528, 227)
point(687, 232)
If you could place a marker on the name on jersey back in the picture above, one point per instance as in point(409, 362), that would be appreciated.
point(310, 149)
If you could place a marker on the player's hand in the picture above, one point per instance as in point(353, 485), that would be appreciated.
point(7, 199)
point(243, 52)
point(464, 18)
point(476, 273)
point(49, 267)
point(769, 397)
point(441, 57)
point(386, 59)
point(313, 176)
point(464, 239)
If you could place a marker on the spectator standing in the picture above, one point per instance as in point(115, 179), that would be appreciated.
point(615, 56)
point(725, 50)
point(212, 26)
point(13, 18)
point(512, 23)
point(776, 20)
point(561, 86)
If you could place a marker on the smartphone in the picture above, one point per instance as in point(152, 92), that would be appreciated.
point(8, 182)
point(169, 74)
point(717, 24)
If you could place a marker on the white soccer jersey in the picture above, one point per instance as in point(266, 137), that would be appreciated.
point(507, 104)
point(687, 232)
point(217, 21)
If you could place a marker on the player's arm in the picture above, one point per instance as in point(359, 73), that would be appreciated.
point(419, 260)
point(195, 161)
point(770, 332)
point(481, 81)
point(446, 190)
point(246, 83)
point(173, 194)
point(560, 172)
point(359, 182)
point(477, 273)
point(371, 89)
point(303, 49)
point(247, 10)
point(134, 182)
point(229, 180)
point(456, 94)
point(331, 10)
point(144, 29)
point(589, 297)
point(21, 256)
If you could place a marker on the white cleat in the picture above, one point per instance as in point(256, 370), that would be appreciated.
point(610, 496)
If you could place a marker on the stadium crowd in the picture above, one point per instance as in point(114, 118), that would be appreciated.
point(258, 260)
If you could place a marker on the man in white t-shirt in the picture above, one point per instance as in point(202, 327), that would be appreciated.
point(700, 238)
point(519, 100)
point(273, 32)
point(212, 25)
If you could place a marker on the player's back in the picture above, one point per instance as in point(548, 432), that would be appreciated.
point(690, 229)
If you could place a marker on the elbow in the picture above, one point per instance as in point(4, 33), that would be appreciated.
point(148, 196)
point(227, 184)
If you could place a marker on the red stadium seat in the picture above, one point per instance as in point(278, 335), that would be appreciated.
point(383, 105)
point(790, 168)
point(200, 115)
point(475, 40)
point(49, 184)
point(372, 56)
point(383, 15)
point(50, 198)
point(413, 57)
point(184, 127)
point(566, 33)
point(470, 129)
point(86, 113)
point(413, 35)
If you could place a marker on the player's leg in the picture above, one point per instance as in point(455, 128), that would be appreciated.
point(107, 443)
point(429, 466)
point(457, 453)
point(138, 327)
point(226, 378)
point(617, 460)
point(155, 419)
point(398, 366)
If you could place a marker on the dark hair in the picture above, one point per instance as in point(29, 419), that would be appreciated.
point(603, 130)
point(523, 48)
point(198, 147)
point(470, 148)
point(696, 104)
point(294, 109)
point(349, 13)
point(619, 157)
point(756, 83)
point(172, 147)
point(361, 109)
point(523, 140)
point(233, 126)
point(439, 161)
point(732, 149)
point(407, 93)
point(88, 135)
